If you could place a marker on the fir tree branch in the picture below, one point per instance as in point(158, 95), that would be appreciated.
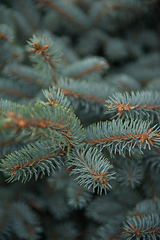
point(131, 173)
point(60, 11)
point(34, 159)
point(43, 51)
point(107, 208)
point(16, 90)
point(92, 168)
point(143, 226)
point(25, 221)
point(19, 123)
point(26, 78)
point(31, 198)
point(84, 67)
point(82, 96)
point(46, 54)
point(138, 104)
point(97, 13)
point(88, 71)
point(29, 12)
point(111, 232)
point(15, 93)
point(77, 196)
point(56, 96)
point(124, 82)
point(28, 121)
point(6, 33)
point(96, 92)
point(147, 206)
point(24, 73)
point(122, 137)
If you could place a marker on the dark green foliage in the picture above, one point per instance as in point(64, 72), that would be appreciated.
point(79, 120)
point(24, 222)
point(78, 197)
point(130, 174)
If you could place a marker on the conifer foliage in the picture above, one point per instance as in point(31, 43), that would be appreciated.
point(79, 120)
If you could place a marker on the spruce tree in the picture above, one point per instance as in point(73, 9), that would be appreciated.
point(79, 122)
